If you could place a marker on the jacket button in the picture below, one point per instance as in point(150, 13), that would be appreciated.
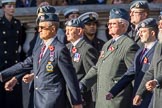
point(5, 52)
point(36, 88)
point(36, 77)
point(4, 42)
point(16, 61)
point(16, 51)
point(5, 61)
point(4, 32)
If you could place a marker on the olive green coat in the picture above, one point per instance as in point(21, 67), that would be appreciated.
point(112, 64)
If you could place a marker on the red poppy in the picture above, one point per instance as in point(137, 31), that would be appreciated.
point(51, 48)
point(74, 50)
point(145, 60)
point(111, 48)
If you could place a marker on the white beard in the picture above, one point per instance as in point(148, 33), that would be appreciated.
point(160, 36)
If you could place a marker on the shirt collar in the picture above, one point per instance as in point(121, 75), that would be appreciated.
point(75, 43)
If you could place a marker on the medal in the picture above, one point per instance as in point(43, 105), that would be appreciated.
point(51, 48)
point(49, 67)
point(76, 57)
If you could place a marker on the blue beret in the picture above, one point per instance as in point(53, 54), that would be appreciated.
point(148, 23)
point(74, 23)
point(118, 13)
point(69, 11)
point(46, 9)
point(47, 17)
point(139, 5)
point(89, 17)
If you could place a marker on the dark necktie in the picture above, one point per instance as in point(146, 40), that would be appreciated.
point(42, 51)
point(110, 46)
point(142, 54)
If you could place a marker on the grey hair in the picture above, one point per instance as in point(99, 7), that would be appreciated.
point(125, 22)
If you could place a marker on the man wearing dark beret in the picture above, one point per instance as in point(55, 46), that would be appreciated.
point(90, 21)
point(148, 30)
point(52, 68)
point(152, 80)
point(84, 56)
point(116, 56)
point(139, 11)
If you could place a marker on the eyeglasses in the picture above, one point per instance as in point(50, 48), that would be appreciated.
point(44, 27)
point(136, 12)
point(112, 23)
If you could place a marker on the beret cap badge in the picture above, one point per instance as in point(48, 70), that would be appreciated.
point(42, 18)
point(137, 5)
point(116, 12)
point(90, 16)
point(143, 25)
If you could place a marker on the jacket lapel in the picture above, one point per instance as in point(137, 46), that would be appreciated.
point(46, 56)
point(114, 46)
point(78, 45)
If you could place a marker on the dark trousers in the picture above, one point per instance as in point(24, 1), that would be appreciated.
point(11, 99)
point(88, 102)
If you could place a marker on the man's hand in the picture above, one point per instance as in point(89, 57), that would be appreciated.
point(78, 106)
point(109, 96)
point(150, 85)
point(137, 100)
point(28, 78)
point(9, 85)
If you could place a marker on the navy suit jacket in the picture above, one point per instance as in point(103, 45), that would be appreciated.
point(136, 73)
point(50, 87)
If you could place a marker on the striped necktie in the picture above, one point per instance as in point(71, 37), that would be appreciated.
point(41, 54)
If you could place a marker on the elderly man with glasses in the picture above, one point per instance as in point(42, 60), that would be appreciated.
point(116, 56)
point(139, 11)
point(52, 68)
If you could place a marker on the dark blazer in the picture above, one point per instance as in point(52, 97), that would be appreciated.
point(154, 72)
point(112, 64)
point(88, 58)
point(96, 43)
point(136, 73)
point(50, 86)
